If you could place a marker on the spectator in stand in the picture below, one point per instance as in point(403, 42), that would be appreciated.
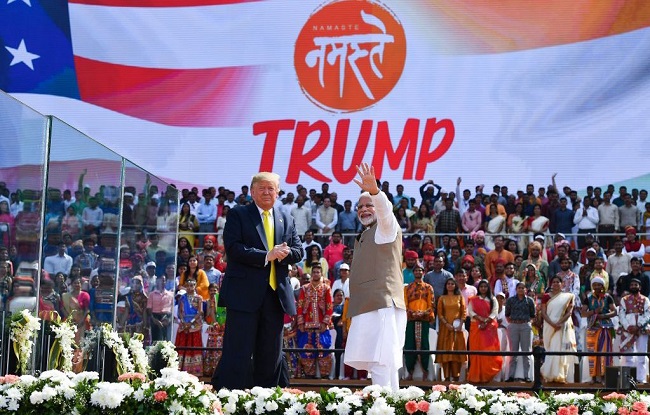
point(301, 215)
point(520, 310)
point(400, 195)
point(620, 200)
point(645, 222)
point(92, 217)
point(483, 309)
point(347, 259)
point(333, 253)
point(494, 224)
point(563, 219)
point(215, 316)
point(403, 220)
point(221, 224)
point(190, 313)
point(536, 223)
point(623, 283)
point(507, 283)
point(326, 217)
point(619, 263)
point(430, 196)
point(213, 274)
point(314, 255)
point(499, 253)
point(633, 316)
point(599, 310)
point(471, 219)
point(198, 275)
point(6, 284)
point(348, 222)
point(410, 261)
point(559, 333)
point(632, 244)
point(451, 312)
point(187, 225)
point(343, 283)
point(608, 220)
point(448, 221)
point(586, 218)
point(206, 214)
point(628, 213)
point(438, 276)
point(308, 241)
point(418, 296)
point(61, 262)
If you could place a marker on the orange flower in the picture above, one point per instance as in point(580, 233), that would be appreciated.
point(160, 396)
point(423, 406)
point(411, 407)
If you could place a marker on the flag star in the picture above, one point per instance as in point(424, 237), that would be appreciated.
point(27, 2)
point(21, 55)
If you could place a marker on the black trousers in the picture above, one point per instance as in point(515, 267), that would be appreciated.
point(252, 347)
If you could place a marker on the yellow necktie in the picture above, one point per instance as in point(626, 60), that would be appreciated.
point(268, 230)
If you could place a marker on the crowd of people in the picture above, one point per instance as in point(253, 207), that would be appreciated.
point(547, 267)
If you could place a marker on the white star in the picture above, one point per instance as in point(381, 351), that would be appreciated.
point(27, 2)
point(22, 56)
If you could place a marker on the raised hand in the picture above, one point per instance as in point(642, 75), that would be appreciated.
point(368, 182)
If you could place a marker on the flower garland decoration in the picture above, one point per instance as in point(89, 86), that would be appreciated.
point(113, 341)
point(23, 329)
point(167, 351)
point(140, 359)
point(88, 346)
point(63, 347)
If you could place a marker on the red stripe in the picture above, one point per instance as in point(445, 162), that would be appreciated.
point(212, 97)
point(159, 3)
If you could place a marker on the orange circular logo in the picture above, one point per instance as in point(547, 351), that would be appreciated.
point(350, 54)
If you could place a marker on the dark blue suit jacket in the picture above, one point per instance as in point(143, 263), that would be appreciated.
point(246, 278)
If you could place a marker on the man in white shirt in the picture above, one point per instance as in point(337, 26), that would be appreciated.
point(344, 282)
point(61, 262)
point(301, 216)
point(618, 263)
point(509, 286)
point(309, 241)
point(586, 219)
point(92, 217)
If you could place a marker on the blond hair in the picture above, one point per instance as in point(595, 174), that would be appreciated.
point(266, 176)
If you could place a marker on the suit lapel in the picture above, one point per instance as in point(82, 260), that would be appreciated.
point(256, 219)
point(278, 225)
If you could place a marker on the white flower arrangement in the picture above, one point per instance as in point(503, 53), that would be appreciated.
point(168, 351)
point(62, 351)
point(23, 329)
point(140, 359)
point(113, 341)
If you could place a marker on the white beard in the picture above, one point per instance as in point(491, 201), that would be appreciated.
point(368, 220)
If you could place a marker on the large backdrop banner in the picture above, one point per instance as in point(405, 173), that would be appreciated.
point(208, 92)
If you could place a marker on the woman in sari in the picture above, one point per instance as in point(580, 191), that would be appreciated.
point(494, 225)
point(451, 314)
point(216, 318)
point(76, 305)
point(483, 336)
point(599, 310)
point(537, 223)
point(403, 220)
point(190, 314)
point(515, 225)
point(558, 334)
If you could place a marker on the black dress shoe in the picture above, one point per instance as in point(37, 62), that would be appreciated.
point(510, 380)
point(527, 380)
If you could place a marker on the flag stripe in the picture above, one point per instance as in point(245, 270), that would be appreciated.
point(218, 36)
point(159, 3)
point(199, 98)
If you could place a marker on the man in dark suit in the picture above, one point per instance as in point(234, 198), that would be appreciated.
point(260, 243)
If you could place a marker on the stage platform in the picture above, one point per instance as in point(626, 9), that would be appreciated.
point(318, 384)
